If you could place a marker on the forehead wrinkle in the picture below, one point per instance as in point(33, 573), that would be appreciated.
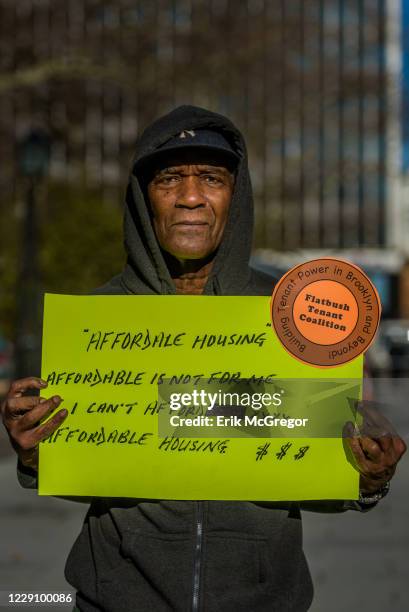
point(201, 168)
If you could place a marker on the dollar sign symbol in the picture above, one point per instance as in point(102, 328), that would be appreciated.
point(283, 450)
point(301, 452)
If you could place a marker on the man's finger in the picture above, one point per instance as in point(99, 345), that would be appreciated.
point(42, 410)
point(17, 406)
point(394, 452)
point(371, 448)
point(43, 431)
point(400, 446)
point(385, 442)
point(18, 387)
point(357, 451)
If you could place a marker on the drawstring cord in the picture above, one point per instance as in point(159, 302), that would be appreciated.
point(216, 286)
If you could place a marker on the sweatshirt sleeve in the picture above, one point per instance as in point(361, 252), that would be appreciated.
point(323, 506)
point(27, 477)
point(334, 506)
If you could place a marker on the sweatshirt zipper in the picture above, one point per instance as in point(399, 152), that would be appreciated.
point(198, 557)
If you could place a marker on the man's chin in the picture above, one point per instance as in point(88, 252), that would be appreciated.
point(184, 253)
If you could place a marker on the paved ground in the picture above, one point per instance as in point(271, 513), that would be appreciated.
point(358, 561)
point(361, 561)
point(36, 534)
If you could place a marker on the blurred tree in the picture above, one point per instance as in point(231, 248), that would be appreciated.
point(9, 230)
point(80, 246)
point(81, 241)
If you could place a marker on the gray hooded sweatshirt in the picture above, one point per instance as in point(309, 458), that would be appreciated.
point(210, 556)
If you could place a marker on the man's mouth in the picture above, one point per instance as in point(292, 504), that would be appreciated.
point(190, 223)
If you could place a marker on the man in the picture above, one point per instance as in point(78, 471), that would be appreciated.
point(188, 228)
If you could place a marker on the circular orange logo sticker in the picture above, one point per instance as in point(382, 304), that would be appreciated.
point(325, 312)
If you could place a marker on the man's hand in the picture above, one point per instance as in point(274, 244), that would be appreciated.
point(376, 448)
point(22, 416)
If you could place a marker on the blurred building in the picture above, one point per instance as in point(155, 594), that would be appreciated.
point(404, 285)
point(313, 85)
point(347, 165)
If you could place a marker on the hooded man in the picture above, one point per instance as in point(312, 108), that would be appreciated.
point(188, 230)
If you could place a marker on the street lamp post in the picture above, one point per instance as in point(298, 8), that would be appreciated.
point(34, 155)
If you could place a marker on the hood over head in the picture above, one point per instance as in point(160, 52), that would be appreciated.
point(146, 271)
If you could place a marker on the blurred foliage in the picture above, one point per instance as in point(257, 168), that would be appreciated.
point(9, 228)
point(80, 245)
point(81, 242)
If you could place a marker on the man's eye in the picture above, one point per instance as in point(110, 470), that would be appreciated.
point(213, 180)
point(167, 180)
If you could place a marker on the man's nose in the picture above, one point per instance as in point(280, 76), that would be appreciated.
point(190, 193)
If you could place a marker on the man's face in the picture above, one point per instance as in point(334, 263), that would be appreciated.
point(190, 205)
